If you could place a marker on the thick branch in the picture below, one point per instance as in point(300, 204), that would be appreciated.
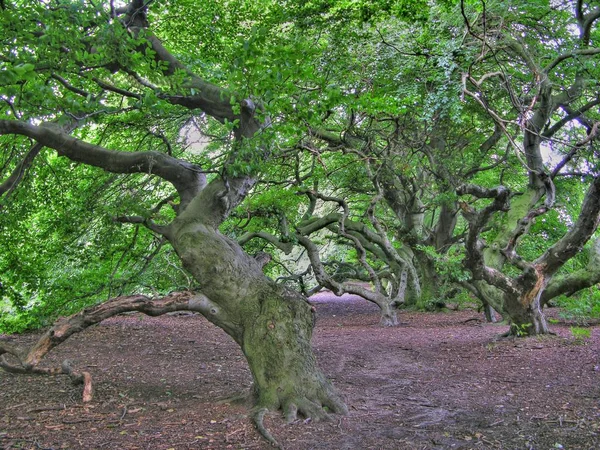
point(475, 261)
point(572, 242)
point(17, 175)
point(285, 247)
point(585, 22)
point(67, 327)
point(64, 328)
point(327, 281)
point(211, 99)
point(573, 282)
point(187, 178)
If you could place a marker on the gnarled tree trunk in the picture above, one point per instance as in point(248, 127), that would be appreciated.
point(528, 320)
point(272, 324)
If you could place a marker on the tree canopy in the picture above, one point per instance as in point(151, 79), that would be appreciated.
point(407, 152)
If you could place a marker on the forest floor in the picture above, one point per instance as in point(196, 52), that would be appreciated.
point(438, 381)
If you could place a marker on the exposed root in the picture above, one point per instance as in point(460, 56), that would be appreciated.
point(291, 413)
point(335, 404)
point(312, 410)
point(511, 336)
point(387, 321)
point(259, 421)
point(293, 408)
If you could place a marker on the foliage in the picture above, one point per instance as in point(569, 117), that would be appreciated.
point(582, 306)
point(365, 100)
point(581, 334)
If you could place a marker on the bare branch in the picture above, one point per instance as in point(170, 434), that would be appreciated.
point(213, 100)
point(590, 137)
point(69, 86)
point(474, 246)
point(327, 281)
point(571, 115)
point(520, 50)
point(109, 87)
point(585, 22)
point(484, 148)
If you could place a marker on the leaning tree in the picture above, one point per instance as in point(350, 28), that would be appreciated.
point(91, 83)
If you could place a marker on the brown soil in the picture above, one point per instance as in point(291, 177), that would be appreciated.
point(439, 381)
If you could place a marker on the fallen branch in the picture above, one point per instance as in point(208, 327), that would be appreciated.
point(47, 408)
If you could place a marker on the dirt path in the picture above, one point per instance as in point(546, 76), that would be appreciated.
point(439, 381)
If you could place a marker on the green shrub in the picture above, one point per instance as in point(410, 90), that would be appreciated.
point(581, 334)
point(582, 306)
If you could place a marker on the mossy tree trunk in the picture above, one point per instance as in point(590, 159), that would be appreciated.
point(518, 297)
point(276, 343)
point(527, 319)
point(272, 324)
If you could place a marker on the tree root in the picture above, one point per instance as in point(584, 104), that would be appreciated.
point(511, 336)
point(308, 409)
point(312, 410)
point(259, 420)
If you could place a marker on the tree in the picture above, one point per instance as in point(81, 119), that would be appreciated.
point(523, 85)
point(73, 72)
point(410, 143)
point(535, 78)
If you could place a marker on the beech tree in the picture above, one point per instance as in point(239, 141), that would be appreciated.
point(540, 63)
point(380, 156)
point(505, 138)
point(409, 143)
point(100, 105)
point(72, 72)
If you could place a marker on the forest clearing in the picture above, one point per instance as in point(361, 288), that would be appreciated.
point(256, 223)
point(438, 381)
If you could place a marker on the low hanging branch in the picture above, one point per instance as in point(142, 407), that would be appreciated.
point(20, 360)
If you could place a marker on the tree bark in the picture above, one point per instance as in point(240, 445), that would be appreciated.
point(527, 318)
point(389, 315)
point(276, 342)
point(489, 313)
point(272, 325)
